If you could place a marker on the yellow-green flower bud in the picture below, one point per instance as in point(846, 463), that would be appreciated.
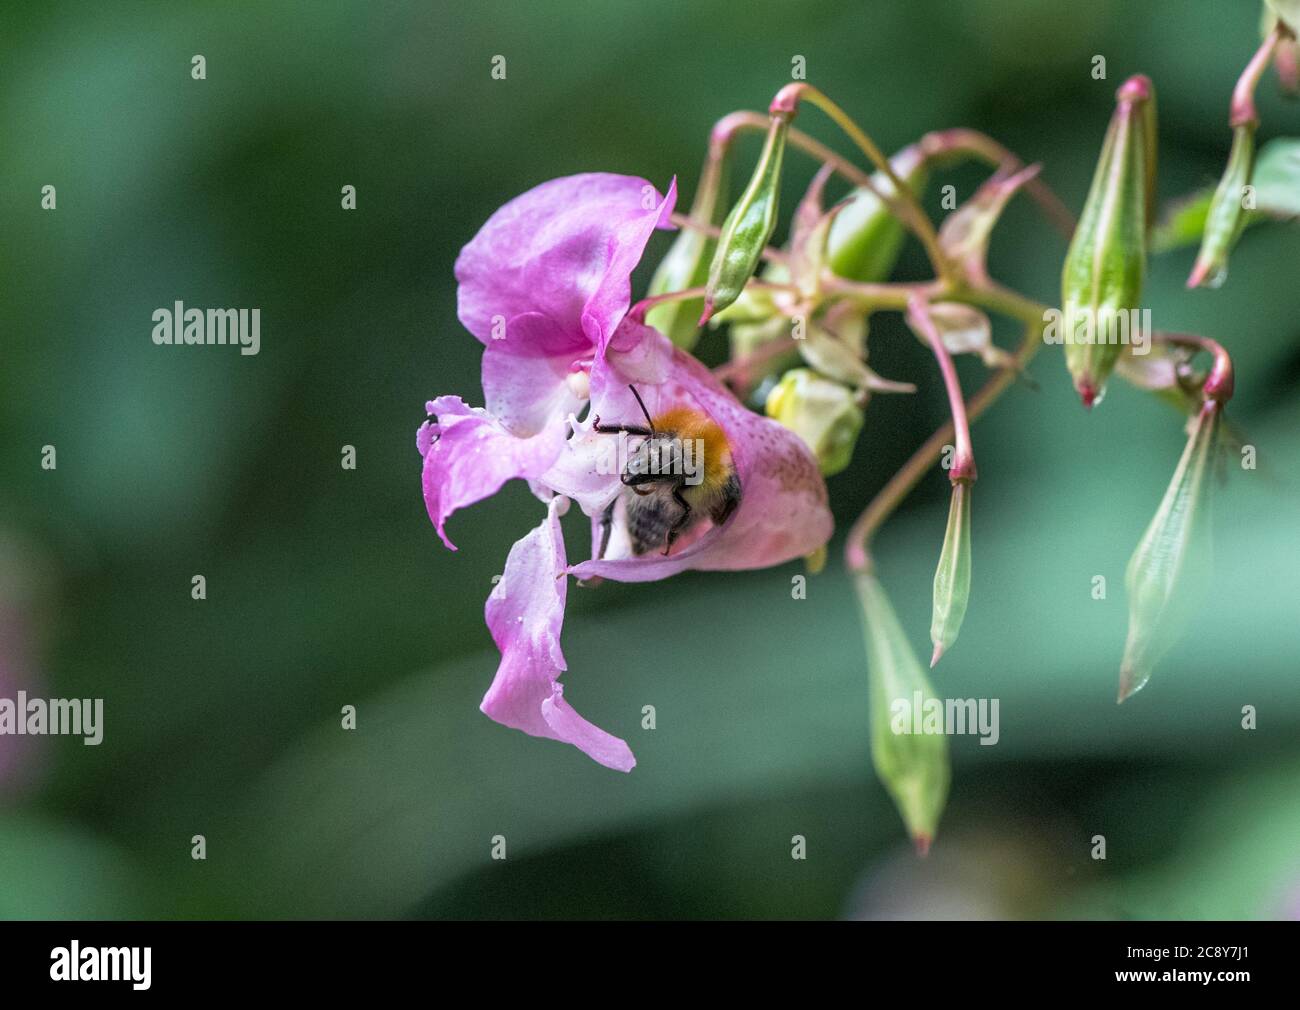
point(1169, 572)
point(821, 412)
point(1228, 211)
point(913, 766)
point(749, 225)
point(952, 577)
point(865, 238)
point(1101, 281)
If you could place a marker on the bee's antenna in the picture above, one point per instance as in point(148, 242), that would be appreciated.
point(642, 403)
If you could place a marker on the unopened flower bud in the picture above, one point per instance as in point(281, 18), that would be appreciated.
point(1102, 276)
point(1169, 572)
point(910, 757)
point(748, 227)
point(865, 238)
point(1228, 211)
point(821, 412)
point(952, 577)
point(686, 264)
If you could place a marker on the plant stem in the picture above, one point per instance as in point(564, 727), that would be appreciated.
point(786, 103)
point(963, 463)
point(638, 311)
point(728, 126)
point(984, 147)
point(1243, 111)
point(738, 366)
point(936, 144)
point(857, 549)
point(884, 296)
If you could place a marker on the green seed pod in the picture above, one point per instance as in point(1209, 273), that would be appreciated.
point(821, 412)
point(686, 264)
point(1228, 211)
point(748, 227)
point(1102, 276)
point(1169, 572)
point(913, 766)
point(865, 238)
point(952, 577)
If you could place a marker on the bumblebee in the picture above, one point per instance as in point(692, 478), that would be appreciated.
point(680, 473)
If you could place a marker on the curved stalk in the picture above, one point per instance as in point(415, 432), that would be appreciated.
point(857, 554)
point(912, 214)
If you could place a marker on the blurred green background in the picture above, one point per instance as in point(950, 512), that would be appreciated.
point(328, 587)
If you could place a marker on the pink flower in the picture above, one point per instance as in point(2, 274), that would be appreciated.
point(546, 286)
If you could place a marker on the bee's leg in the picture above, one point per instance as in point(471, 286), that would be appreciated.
point(681, 522)
point(614, 429)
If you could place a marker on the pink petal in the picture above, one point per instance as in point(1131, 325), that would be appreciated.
point(783, 512)
point(525, 614)
point(527, 393)
point(468, 455)
point(565, 251)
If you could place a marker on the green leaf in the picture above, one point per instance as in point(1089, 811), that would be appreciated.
point(1277, 178)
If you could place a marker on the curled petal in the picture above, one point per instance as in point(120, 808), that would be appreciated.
point(525, 614)
point(782, 513)
point(564, 251)
point(468, 455)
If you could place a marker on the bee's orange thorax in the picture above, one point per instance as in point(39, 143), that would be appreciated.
point(690, 424)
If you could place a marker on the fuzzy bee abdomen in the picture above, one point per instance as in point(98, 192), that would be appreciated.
point(649, 519)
